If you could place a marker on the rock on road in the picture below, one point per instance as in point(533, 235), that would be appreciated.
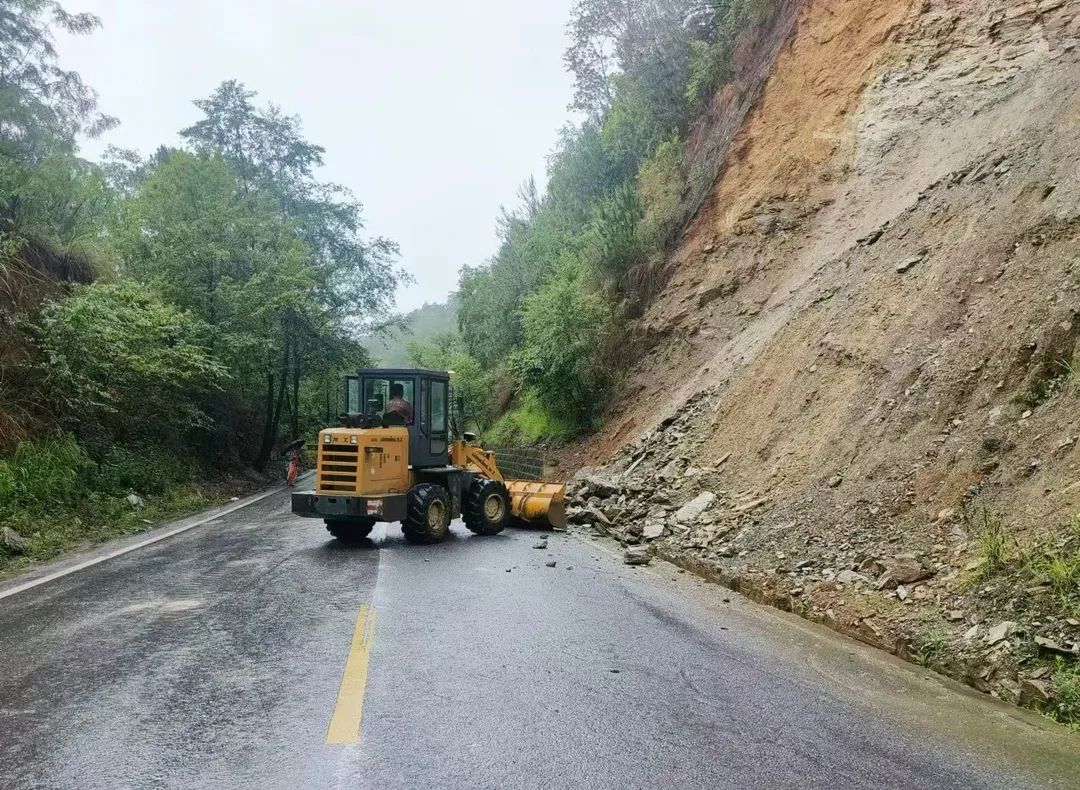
point(215, 659)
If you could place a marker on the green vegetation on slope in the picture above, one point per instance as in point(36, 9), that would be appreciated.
point(547, 318)
point(162, 319)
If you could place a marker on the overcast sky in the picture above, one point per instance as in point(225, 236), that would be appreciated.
point(432, 112)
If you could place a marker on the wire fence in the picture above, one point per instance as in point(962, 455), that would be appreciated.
point(520, 463)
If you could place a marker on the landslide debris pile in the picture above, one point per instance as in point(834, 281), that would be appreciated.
point(868, 350)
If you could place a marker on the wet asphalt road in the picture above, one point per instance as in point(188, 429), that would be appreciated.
point(215, 659)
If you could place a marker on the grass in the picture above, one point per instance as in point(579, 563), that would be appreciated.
point(1049, 382)
point(97, 519)
point(1065, 694)
point(930, 647)
point(1056, 561)
point(528, 423)
point(57, 497)
point(992, 542)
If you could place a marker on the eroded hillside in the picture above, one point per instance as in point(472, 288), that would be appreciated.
point(868, 348)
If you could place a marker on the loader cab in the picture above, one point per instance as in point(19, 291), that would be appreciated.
point(427, 392)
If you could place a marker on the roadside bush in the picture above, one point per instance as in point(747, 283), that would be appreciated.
point(144, 470)
point(124, 362)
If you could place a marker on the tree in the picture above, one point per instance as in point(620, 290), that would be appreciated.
point(344, 283)
point(42, 106)
point(46, 193)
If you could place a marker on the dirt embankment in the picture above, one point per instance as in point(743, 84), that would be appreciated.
point(875, 318)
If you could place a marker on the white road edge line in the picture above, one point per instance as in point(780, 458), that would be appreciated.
point(135, 546)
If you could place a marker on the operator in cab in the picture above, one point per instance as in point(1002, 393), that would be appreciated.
point(398, 404)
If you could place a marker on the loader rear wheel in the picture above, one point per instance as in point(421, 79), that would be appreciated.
point(487, 508)
point(350, 530)
point(427, 517)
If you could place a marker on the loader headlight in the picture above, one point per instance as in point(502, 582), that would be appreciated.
point(352, 440)
point(326, 438)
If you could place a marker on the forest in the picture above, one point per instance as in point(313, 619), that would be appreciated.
point(546, 324)
point(163, 321)
point(169, 321)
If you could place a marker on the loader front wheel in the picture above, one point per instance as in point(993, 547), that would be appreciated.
point(487, 508)
point(427, 517)
point(350, 530)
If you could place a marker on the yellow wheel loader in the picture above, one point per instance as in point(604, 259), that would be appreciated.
point(393, 459)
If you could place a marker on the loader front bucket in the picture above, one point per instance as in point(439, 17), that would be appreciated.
point(538, 503)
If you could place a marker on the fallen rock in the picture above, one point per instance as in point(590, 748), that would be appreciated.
point(1055, 647)
point(902, 569)
point(551, 563)
point(851, 577)
point(13, 541)
point(589, 515)
point(637, 555)
point(1034, 693)
point(542, 544)
point(751, 505)
point(653, 530)
point(693, 509)
point(1000, 632)
point(599, 486)
point(135, 501)
point(908, 263)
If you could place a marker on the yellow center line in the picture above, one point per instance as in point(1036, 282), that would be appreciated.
point(348, 712)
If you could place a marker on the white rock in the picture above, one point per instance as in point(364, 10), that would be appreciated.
point(850, 577)
point(1000, 632)
point(653, 530)
point(693, 509)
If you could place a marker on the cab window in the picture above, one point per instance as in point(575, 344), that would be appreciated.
point(390, 394)
point(439, 437)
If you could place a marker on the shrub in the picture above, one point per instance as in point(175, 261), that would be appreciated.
point(660, 188)
point(529, 423)
point(143, 470)
point(126, 362)
point(565, 326)
point(46, 474)
point(614, 246)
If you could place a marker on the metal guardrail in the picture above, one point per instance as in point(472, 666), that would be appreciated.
point(520, 463)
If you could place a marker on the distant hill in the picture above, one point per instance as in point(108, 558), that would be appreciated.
point(427, 321)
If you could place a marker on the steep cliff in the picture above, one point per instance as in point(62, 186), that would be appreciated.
point(868, 346)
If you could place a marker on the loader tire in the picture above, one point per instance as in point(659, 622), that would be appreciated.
point(350, 530)
point(487, 507)
point(427, 517)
